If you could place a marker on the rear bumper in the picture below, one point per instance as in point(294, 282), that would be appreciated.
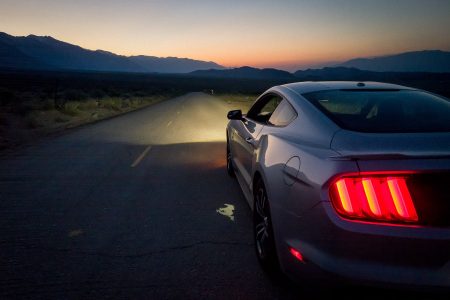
point(363, 252)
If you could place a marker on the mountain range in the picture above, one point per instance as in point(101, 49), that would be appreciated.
point(47, 53)
point(418, 61)
point(406, 65)
point(327, 73)
point(244, 72)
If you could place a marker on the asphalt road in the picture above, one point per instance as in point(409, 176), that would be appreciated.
point(130, 208)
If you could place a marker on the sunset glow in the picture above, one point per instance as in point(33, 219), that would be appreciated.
point(283, 34)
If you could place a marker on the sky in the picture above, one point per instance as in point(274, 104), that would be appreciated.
point(289, 34)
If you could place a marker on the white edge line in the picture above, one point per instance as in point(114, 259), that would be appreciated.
point(140, 157)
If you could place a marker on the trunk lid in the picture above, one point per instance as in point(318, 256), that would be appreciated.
point(349, 143)
point(423, 157)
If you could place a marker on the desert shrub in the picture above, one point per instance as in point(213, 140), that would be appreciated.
point(136, 102)
point(111, 103)
point(71, 108)
point(126, 103)
point(125, 96)
point(88, 105)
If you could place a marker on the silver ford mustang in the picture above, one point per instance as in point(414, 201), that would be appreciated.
point(347, 180)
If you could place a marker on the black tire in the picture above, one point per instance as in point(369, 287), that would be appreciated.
point(230, 167)
point(263, 230)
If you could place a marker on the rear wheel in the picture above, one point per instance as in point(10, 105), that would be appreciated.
point(262, 229)
point(230, 168)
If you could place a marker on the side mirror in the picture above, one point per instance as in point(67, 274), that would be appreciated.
point(235, 115)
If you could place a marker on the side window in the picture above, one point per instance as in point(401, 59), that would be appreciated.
point(283, 115)
point(263, 109)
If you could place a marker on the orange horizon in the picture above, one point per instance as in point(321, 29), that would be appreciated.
point(310, 58)
point(294, 33)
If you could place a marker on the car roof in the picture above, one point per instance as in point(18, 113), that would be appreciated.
point(315, 86)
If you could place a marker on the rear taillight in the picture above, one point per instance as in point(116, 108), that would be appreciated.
point(374, 198)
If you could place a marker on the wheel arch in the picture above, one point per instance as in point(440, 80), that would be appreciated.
point(258, 175)
point(256, 178)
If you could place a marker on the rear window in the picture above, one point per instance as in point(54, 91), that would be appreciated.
point(283, 115)
point(384, 111)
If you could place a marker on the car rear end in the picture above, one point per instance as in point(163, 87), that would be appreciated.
point(388, 221)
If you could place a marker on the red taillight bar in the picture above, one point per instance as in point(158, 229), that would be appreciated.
point(381, 198)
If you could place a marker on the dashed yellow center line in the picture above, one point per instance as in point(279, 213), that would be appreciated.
point(141, 157)
point(168, 124)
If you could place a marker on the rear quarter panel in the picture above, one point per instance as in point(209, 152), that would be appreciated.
point(293, 196)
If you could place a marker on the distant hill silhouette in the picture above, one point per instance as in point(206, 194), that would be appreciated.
point(172, 64)
point(436, 82)
point(44, 52)
point(337, 73)
point(418, 61)
point(353, 74)
point(245, 72)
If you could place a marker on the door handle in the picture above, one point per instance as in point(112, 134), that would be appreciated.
point(251, 141)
